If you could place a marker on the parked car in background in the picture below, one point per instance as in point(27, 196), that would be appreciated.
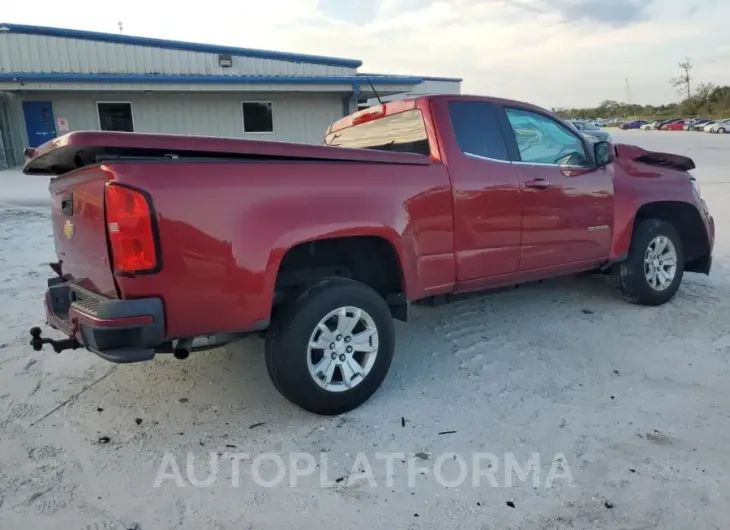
point(708, 127)
point(721, 127)
point(700, 124)
point(695, 122)
point(652, 125)
point(675, 126)
point(663, 124)
point(636, 124)
point(591, 131)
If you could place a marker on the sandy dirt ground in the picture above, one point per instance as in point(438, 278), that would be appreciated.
point(636, 399)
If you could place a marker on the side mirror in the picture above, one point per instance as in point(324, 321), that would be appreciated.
point(603, 152)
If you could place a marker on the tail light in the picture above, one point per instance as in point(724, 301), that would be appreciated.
point(131, 228)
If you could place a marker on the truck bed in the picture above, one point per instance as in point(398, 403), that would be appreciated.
point(78, 149)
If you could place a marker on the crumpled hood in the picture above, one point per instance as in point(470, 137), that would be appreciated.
point(654, 158)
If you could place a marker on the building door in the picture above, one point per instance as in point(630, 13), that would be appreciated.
point(39, 122)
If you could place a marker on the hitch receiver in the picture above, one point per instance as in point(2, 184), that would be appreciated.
point(37, 342)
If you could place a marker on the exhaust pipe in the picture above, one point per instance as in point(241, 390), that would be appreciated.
point(182, 348)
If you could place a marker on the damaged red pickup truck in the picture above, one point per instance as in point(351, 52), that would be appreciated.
point(169, 244)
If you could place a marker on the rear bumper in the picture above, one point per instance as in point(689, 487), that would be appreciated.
point(120, 331)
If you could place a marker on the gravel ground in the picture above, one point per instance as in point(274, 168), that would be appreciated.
point(634, 399)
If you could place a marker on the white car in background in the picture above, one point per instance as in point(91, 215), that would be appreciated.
point(721, 126)
point(651, 126)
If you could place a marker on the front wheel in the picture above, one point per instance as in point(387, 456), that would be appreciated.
point(721, 130)
point(654, 267)
point(330, 347)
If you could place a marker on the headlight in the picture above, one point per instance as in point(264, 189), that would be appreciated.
point(695, 185)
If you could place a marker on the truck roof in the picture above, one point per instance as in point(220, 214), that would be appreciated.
point(394, 107)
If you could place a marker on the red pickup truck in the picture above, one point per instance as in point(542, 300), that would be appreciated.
point(169, 244)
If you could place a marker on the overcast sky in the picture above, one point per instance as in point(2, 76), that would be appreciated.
point(549, 52)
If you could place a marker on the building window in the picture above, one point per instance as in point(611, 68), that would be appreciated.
point(115, 117)
point(258, 117)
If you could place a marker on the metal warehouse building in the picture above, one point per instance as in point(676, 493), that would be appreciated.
point(55, 80)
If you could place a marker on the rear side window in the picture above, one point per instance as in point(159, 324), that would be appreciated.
point(477, 130)
point(404, 132)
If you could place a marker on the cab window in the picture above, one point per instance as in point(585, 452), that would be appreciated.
point(542, 140)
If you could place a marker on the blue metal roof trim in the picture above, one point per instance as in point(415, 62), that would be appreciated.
point(31, 77)
point(424, 77)
point(176, 45)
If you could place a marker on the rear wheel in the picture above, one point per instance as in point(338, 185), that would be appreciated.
point(654, 267)
point(330, 347)
point(721, 130)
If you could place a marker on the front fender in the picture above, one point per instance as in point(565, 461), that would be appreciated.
point(638, 185)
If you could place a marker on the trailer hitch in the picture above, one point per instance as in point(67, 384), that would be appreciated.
point(37, 342)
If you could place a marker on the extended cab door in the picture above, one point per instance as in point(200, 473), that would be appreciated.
point(567, 203)
point(486, 189)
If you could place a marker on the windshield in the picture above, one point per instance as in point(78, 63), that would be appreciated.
point(404, 132)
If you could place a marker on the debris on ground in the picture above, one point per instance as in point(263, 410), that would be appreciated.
point(422, 456)
point(182, 400)
point(104, 439)
point(609, 505)
point(256, 425)
point(447, 432)
point(510, 504)
point(138, 421)
point(588, 311)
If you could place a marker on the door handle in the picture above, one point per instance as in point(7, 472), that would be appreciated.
point(537, 184)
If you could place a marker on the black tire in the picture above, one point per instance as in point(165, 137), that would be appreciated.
point(630, 275)
point(288, 339)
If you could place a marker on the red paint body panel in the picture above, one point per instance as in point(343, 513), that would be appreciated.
point(457, 223)
point(637, 184)
point(487, 206)
point(568, 222)
point(85, 255)
point(222, 242)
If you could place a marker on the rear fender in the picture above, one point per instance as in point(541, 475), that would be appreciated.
point(294, 237)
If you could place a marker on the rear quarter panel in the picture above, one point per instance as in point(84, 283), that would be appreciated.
point(225, 227)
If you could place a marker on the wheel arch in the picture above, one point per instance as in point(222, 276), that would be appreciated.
point(687, 220)
point(373, 256)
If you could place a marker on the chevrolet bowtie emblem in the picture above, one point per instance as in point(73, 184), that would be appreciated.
point(69, 229)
